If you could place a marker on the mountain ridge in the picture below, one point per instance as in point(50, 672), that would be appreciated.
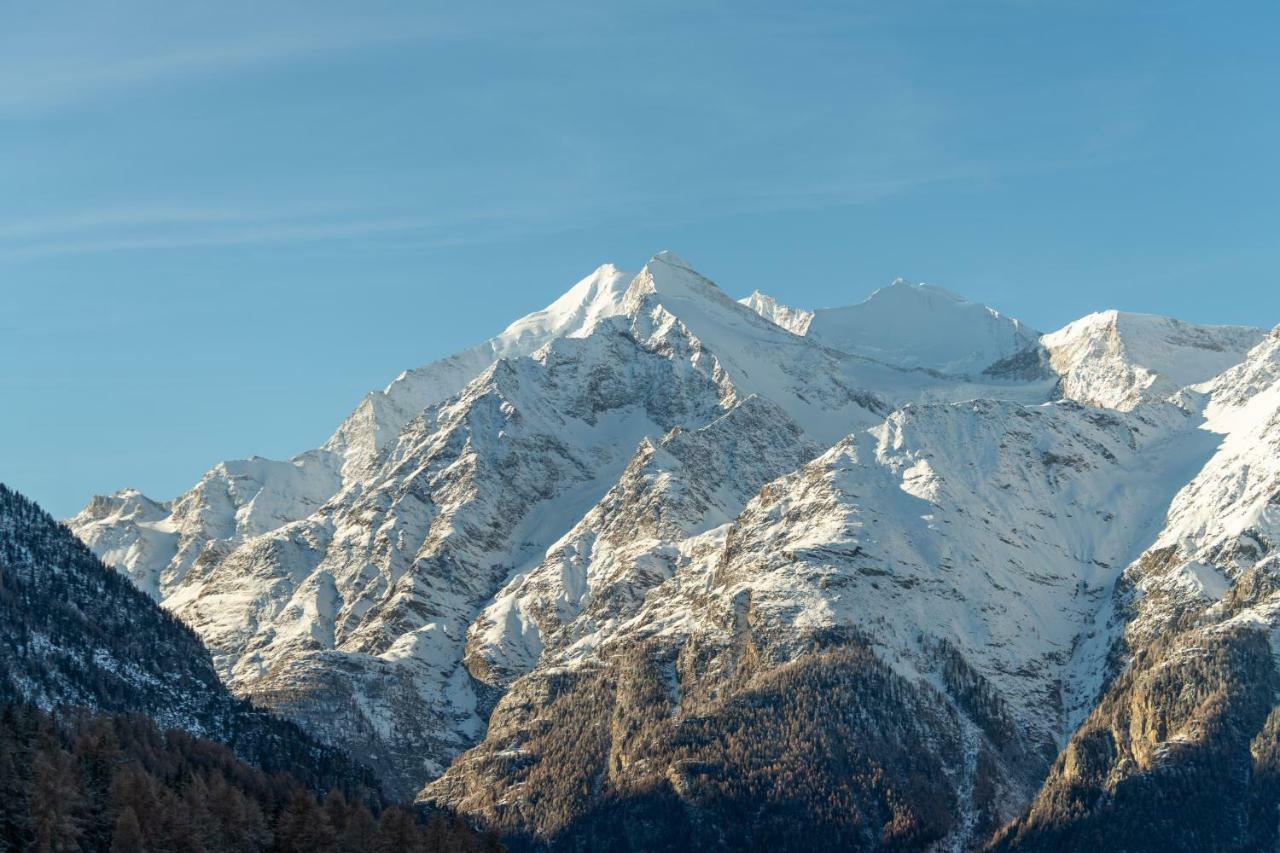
point(653, 490)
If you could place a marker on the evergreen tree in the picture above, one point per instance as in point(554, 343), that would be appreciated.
point(398, 832)
point(304, 827)
point(360, 832)
point(127, 837)
point(56, 803)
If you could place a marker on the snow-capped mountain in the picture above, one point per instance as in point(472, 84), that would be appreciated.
point(341, 586)
point(1119, 360)
point(656, 506)
point(1110, 359)
point(922, 326)
point(968, 544)
point(248, 497)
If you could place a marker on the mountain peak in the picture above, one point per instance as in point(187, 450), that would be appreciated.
point(597, 296)
point(794, 320)
point(1119, 359)
point(922, 326)
point(667, 256)
point(381, 414)
point(901, 288)
point(123, 503)
point(671, 277)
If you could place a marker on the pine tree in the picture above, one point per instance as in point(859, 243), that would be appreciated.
point(56, 802)
point(437, 832)
point(116, 784)
point(303, 827)
point(335, 806)
point(127, 837)
point(15, 780)
point(398, 832)
point(360, 832)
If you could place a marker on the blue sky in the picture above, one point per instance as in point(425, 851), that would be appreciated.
point(221, 223)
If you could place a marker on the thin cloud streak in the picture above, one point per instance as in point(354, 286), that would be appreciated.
point(160, 215)
point(160, 228)
point(33, 86)
point(248, 234)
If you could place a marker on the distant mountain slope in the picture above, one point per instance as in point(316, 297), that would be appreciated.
point(1111, 359)
point(76, 634)
point(922, 326)
point(159, 543)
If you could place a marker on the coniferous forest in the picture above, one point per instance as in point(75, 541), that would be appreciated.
point(77, 781)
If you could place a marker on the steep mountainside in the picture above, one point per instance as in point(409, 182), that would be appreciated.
point(656, 569)
point(684, 484)
point(382, 414)
point(74, 633)
point(963, 546)
point(1183, 752)
point(235, 500)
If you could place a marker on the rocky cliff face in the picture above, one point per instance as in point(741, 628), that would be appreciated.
point(656, 568)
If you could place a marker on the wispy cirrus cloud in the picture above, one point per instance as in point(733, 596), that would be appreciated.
point(64, 224)
point(492, 156)
point(158, 228)
point(47, 66)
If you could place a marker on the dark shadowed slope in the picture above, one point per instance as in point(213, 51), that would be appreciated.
point(74, 633)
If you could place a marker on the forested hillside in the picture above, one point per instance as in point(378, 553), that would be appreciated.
point(78, 781)
point(116, 734)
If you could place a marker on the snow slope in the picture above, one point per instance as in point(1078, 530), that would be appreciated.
point(970, 543)
point(1188, 727)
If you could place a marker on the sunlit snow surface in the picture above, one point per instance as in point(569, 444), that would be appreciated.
point(646, 453)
